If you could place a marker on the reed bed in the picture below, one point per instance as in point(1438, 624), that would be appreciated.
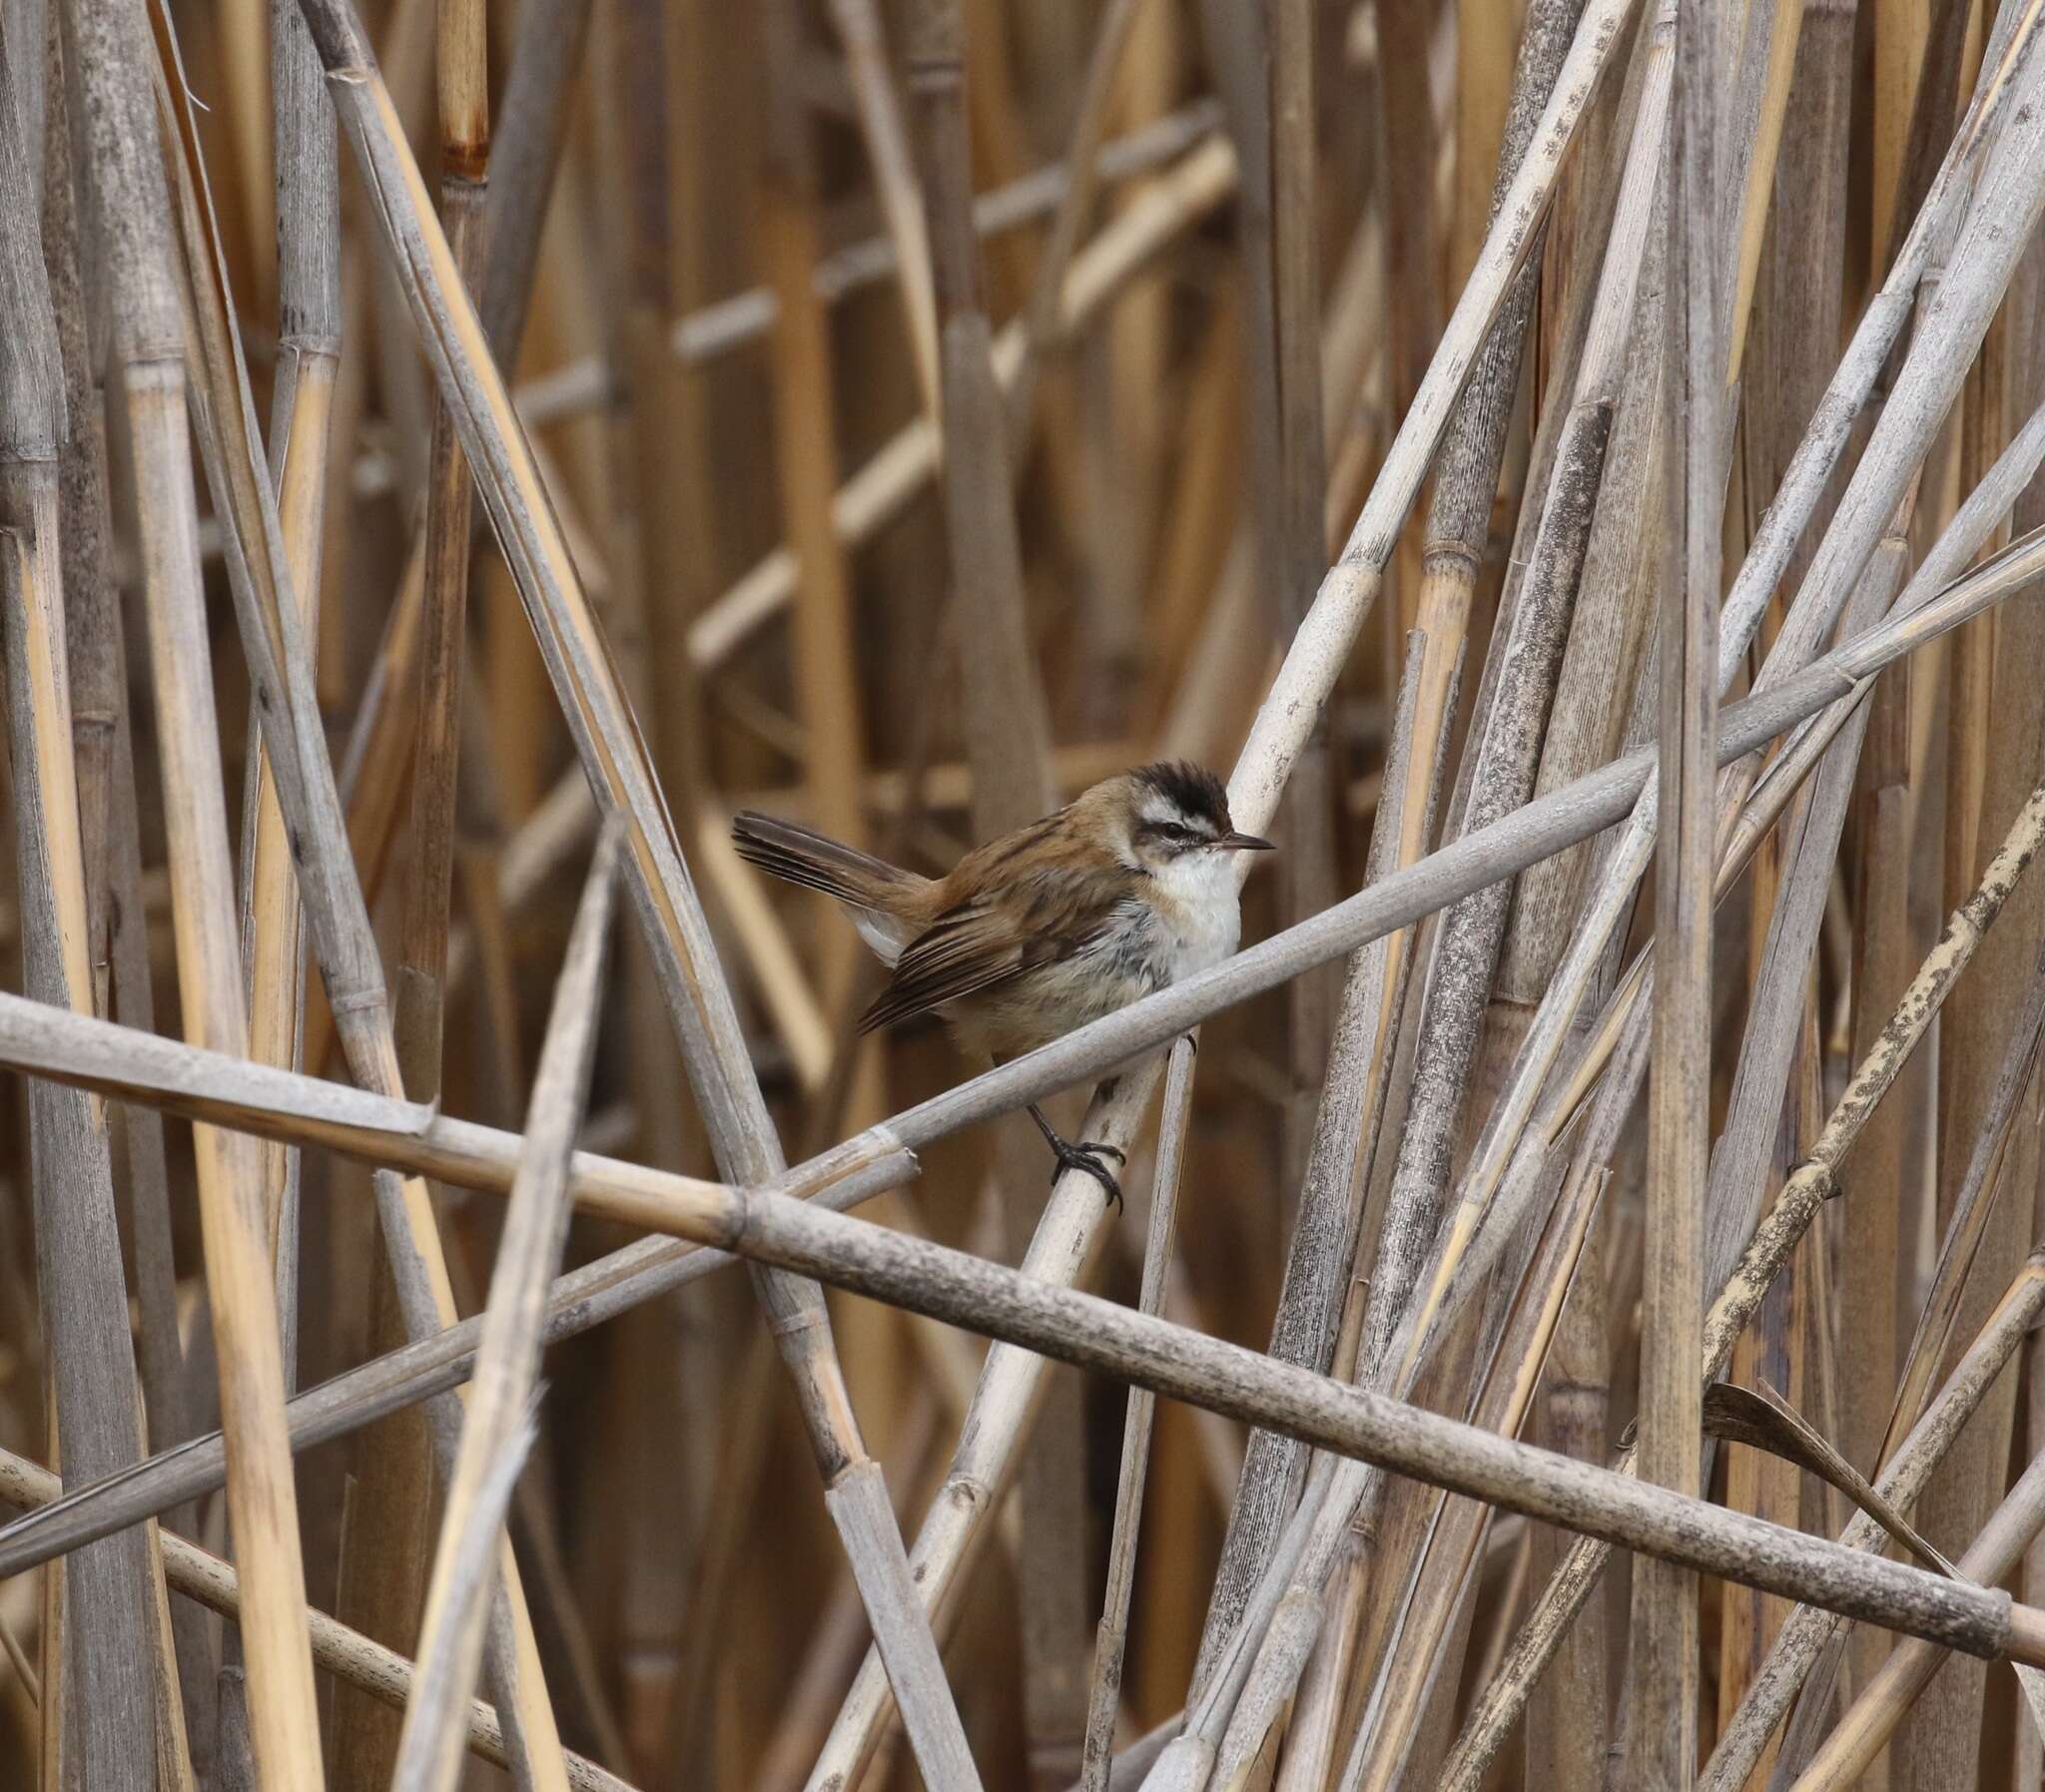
point(1572, 468)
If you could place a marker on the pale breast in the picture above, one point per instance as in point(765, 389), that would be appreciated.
point(1190, 922)
point(1199, 919)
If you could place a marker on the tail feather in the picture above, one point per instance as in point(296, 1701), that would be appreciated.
point(803, 855)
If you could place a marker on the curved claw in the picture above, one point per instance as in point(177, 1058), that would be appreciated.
point(1086, 1157)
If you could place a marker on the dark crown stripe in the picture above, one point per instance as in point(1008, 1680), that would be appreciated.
point(1196, 790)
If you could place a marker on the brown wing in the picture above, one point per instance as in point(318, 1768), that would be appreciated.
point(987, 942)
point(968, 950)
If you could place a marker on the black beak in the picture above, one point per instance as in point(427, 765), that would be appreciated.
point(1245, 843)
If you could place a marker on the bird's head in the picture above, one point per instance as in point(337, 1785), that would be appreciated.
point(1164, 813)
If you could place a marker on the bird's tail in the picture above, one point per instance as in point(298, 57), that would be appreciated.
point(817, 862)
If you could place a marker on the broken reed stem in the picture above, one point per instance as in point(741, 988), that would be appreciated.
point(107, 55)
point(1888, 1696)
point(498, 1421)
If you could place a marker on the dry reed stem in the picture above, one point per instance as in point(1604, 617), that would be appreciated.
point(1153, 1353)
point(107, 55)
point(1286, 718)
point(1969, 1215)
point(1328, 1225)
point(1660, 1705)
point(110, 847)
point(1773, 1241)
point(100, 1056)
point(1807, 1633)
point(827, 698)
point(1289, 711)
point(1518, 1332)
point(1930, 377)
point(1105, 1694)
point(344, 1654)
point(463, 82)
point(704, 335)
point(83, 1300)
point(498, 1416)
point(1457, 526)
point(1043, 320)
point(1888, 1696)
point(941, 1105)
point(858, 28)
point(615, 758)
point(274, 636)
point(309, 345)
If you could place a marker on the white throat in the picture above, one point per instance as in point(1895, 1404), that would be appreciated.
point(1201, 886)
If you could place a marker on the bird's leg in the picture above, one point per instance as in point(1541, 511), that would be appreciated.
point(1086, 1157)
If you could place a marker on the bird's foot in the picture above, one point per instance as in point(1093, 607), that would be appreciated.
point(1088, 1157)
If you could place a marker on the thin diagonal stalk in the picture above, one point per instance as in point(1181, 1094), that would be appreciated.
point(344, 1654)
point(1105, 1696)
point(1804, 1637)
point(1796, 1207)
point(1888, 1698)
point(615, 758)
point(881, 489)
point(83, 1051)
point(507, 1361)
point(274, 638)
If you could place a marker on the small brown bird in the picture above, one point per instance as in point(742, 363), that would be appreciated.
point(1129, 887)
